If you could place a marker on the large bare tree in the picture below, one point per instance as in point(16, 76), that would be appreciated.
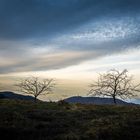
point(36, 86)
point(114, 84)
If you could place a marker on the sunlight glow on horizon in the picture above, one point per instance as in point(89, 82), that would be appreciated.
point(127, 60)
point(74, 80)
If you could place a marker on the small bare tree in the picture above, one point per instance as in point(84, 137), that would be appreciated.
point(114, 84)
point(36, 86)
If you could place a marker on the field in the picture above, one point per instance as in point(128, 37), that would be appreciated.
point(20, 120)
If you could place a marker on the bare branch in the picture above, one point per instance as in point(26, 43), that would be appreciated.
point(115, 84)
point(36, 86)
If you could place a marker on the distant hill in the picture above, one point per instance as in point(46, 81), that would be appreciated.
point(12, 95)
point(95, 100)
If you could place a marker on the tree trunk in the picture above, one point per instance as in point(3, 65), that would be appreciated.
point(114, 100)
point(35, 99)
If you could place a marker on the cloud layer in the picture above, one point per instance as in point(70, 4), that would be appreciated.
point(50, 34)
point(31, 18)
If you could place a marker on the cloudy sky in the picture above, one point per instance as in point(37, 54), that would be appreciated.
point(70, 40)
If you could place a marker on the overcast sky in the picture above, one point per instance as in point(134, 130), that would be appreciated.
point(69, 38)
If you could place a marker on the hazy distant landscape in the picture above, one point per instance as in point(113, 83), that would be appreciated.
point(74, 99)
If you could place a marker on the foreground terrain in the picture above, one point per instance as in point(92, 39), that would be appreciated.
point(20, 120)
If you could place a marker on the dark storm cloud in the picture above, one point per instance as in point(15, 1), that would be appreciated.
point(38, 18)
point(53, 34)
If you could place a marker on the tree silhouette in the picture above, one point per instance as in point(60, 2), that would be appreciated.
point(36, 86)
point(114, 84)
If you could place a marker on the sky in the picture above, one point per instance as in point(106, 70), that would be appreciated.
point(69, 40)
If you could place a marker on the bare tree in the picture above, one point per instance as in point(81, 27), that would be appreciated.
point(36, 86)
point(114, 84)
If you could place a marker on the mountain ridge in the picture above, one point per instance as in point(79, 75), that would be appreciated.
point(12, 95)
point(95, 100)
